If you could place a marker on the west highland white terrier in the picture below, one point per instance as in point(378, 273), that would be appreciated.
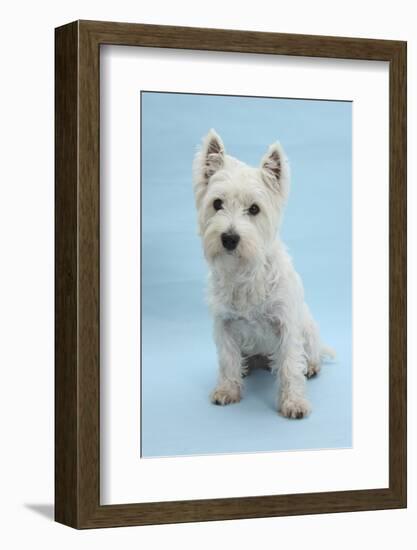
point(255, 294)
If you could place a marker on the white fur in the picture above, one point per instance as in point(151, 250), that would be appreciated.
point(255, 294)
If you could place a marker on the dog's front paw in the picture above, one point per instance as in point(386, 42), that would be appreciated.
point(297, 407)
point(224, 395)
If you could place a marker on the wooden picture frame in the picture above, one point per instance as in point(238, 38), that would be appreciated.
point(77, 358)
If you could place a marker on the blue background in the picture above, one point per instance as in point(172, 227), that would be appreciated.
point(179, 365)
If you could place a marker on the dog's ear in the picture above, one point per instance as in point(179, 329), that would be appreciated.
point(212, 154)
point(209, 159)
point(275, 169)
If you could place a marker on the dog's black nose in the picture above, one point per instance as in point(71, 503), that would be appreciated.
point(230, 240)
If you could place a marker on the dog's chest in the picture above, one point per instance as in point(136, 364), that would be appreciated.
point(255, 336)
point(236, 297)
point(251, 316)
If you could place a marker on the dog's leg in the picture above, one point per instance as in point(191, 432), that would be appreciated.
point(290, 366)
point(229, 385)
point(311, 343)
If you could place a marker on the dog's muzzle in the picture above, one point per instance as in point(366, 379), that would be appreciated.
point(230, 240)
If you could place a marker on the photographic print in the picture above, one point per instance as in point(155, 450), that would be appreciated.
point(246, 262)
point(220, 319)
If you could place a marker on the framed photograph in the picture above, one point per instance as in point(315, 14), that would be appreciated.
point(230, 274)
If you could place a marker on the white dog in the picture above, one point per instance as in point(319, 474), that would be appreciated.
point(255, 294)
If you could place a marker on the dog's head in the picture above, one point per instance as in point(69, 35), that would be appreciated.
point(239, 207)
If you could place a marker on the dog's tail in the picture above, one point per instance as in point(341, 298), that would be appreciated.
point(328, 353)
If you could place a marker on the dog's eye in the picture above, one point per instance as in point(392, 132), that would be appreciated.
point(218, 204)
point(254, 209)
